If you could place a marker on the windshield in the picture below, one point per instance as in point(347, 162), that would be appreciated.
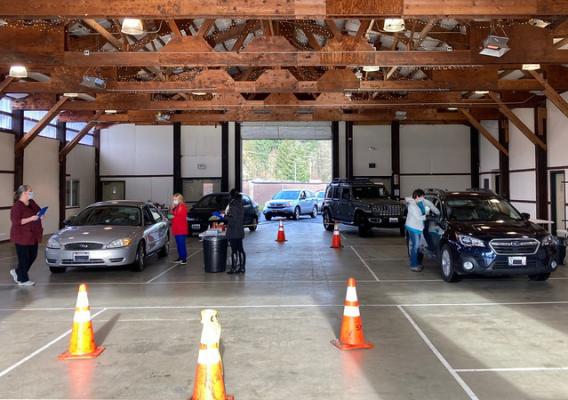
point(215, 201)
point(480, 209)
point(109, 215)
point(369, 192)
point(288, 195)
point(321, 195)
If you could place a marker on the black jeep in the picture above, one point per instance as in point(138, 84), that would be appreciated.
point(362, 203)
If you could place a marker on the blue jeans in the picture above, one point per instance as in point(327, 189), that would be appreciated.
point(415, 239)
point(182, 250)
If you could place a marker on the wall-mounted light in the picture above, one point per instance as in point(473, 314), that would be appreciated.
point(132, 26)
point(394, 25)
point(531, 67)
point(18, 71)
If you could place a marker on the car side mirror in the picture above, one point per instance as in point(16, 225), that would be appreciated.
point(69, 221)
point(526, 216)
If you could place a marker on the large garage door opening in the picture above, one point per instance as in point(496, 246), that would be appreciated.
point(279, 156)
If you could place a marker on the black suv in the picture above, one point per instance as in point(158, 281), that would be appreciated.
point(479, 232)
point(362, 203)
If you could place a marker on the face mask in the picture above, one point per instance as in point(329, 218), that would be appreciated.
point(30, 195)
point(176, 202)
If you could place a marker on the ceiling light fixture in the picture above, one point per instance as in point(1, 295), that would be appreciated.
point(538, 22)
point(531, 67)
point(394, 25)
point(495, 46)
point(199, 93)
point(71, 94)
point(482, 92)
point(452, 108)
point(111, 111)
point(132, 26)
point(18, 71)
point(371, 68)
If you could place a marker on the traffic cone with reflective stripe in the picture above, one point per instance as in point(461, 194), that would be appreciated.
point(82, 344)
point(209, 383)
point(336, 240)
point(281, 237)
point(351, 336)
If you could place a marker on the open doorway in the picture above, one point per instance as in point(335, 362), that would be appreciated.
point(558, 202)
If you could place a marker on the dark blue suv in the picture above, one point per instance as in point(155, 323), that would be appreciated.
point(479, 232)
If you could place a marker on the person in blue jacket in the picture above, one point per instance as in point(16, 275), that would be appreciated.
point(418, 209)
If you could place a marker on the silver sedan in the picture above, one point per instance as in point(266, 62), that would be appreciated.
point(110, 233)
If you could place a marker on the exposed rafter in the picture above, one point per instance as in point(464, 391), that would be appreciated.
point(71, 145)
point(484, 131)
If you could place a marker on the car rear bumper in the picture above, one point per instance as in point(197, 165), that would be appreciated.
point(96, 258)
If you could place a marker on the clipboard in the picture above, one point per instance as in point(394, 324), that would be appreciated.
point(42, 212)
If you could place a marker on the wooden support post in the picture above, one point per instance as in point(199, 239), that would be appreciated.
point(474, 156)
point(504, 159)
point(66, 149)
point(335, 149)
point(98, 183)
point(61, 136)
point(395, 158)
point(517, 122)
point(18, 128)
point(178, 182)
point(541, 165)
point(225, 157)
point(349, 150)
point(31, 135)
point(481, 129)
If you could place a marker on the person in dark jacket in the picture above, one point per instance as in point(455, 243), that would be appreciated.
point(26, 233)
point(234, 215)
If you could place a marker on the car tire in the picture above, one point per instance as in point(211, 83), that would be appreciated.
point(540, 277)
point(268, 217)
point(314, 212)
point(165, 250)
point(449, 273)
point(296, 215)
point(57, 270)
point(253, 225)
point(327, 221)
point(140, 260)
point(364, 230)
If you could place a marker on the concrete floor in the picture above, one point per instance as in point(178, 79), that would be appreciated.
point(499, 338)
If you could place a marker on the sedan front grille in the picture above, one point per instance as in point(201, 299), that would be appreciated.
point(509, 247)
point(83, 246)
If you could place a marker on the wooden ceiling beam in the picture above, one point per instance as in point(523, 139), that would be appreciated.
point(36, 130)
point(292, 9)
point(525, 130)
point(4, 85)
point(551, 94)
point(104, 33)
point(486, 134)
point(174, 28)
point(71, 145)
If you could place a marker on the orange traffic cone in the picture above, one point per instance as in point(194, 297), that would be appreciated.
point(336, 240)
point(82, 344)
point(209, 383)
point(351, 337)
point(281, 237)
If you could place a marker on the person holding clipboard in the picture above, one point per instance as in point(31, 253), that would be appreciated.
point(26, 232)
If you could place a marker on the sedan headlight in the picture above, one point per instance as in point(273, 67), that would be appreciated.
point(549, 240)
point(469, 241)
point(53, 243)
point(119, 243)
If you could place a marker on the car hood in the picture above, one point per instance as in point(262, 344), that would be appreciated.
point(96, 234)
point(491, 229)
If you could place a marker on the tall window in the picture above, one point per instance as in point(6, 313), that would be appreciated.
point(73, 128)
point(5, 113)
point(72, 193)
point(31, 118)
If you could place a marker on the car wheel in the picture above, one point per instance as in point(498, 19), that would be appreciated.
point(539, 277)
point(314, 212)
point(364, 230)
point(327, 222)
point(57, 270)
point(296, 215)
point(253, 225)
point(140, 261)
point(165, 250)
point(268, 217)
point(449, 273)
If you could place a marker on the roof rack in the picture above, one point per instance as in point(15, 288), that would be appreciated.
point(489, 191)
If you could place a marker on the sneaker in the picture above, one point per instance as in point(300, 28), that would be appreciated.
point(418, 268)
point(14, 275)
point(183, 262)
point(26, 283)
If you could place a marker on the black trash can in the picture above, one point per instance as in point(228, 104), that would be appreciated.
point(561, 250)
point(215, 253)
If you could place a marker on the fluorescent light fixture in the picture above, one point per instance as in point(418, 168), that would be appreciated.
point(394, 25)
point(538, 22)
point(111, 112)
point(93, 82)
point(132, 26)
point(452, 108)
point(495, 46)
point(371, 68)
point(531, 67)
point(18, 71)
point(482, 92)
point(71, 94)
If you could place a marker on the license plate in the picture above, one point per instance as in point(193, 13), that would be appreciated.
point(81, 256)
point(517, 261)
point(393, 220)
point(195, 226)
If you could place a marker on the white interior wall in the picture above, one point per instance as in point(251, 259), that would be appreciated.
point(488, 154)
point(6, 182)
point(41, 171)
point(557, 137)
point(441, 151)
point(81, 166)
point(372, 144)
point(201, 146)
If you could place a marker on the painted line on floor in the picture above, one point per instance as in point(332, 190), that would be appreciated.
point(169, 269)
point(365, 263)
point(41, 349)
point(529, 369)
point(439, 355)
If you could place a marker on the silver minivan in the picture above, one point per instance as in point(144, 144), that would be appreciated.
point(110, 233)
